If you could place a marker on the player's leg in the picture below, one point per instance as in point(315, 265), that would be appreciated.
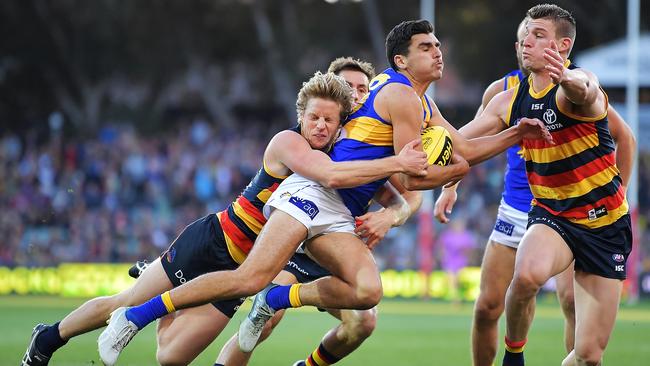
point(496, 273)
point(183, 335)
point(596, 301)
point(355, 282)
point(564, 287)
point(356, 326)
point(230, 353)
point(93, 314)
point(542, 254)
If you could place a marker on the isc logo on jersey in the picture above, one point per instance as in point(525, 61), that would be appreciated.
point(436, 142)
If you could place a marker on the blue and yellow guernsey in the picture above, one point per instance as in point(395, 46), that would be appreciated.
point(576, 178)
point(243, 219)
point(367, 136)
point(516, 191)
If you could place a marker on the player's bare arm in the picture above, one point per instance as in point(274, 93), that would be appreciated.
point(625, 144)
point(290, 152)
point(479, 149)
point(579, 91)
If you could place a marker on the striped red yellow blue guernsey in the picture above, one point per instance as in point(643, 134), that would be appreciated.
point(575, 178)
point(242, 220)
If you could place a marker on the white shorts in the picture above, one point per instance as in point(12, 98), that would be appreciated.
point(510, 226)
point(319, 209)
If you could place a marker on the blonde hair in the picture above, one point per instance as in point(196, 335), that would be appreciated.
point(349, 63)
point(326, 86)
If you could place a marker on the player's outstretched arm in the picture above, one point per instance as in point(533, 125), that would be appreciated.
point(625, 144)
point(294, 152)
point(479, 149)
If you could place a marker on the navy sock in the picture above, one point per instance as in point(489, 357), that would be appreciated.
point(144, 314)
point(513, 358)
point(218, 364)
point(50, 340)
point(278, 297)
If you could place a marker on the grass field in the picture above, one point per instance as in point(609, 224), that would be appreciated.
point(408, 333)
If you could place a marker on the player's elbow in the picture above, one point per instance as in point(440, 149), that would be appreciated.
point(333, 182)
point(410, 184)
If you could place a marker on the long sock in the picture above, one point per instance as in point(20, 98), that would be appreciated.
point(151, 310)
point(284, 297)
point(321, 357)
point(50, 340)
point(514, 354)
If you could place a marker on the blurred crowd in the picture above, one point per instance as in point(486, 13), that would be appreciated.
point(122, 196)
point(118, 197)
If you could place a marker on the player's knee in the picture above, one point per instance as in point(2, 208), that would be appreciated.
point(362, 326)
point(488, 308)
point(368, 295)
point(589, 356)
point(254, 285)
point(524, 284)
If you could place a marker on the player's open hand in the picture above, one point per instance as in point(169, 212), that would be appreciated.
point(444, 204)
point(374, 225)
point(555, 65)
point(413, 159)
point(533, 129)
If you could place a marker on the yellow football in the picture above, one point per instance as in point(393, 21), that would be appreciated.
point(436, 142)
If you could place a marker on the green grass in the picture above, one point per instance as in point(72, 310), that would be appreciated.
point(408, 333)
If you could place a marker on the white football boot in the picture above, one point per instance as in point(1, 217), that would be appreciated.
point(116, 336)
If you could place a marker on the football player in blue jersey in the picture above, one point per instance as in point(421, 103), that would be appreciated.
point(301, 210)
point(512, 218)
point(356, 325)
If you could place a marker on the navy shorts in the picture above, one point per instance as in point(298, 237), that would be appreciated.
point(200, 248)
point(304, 268)
point(602, 251)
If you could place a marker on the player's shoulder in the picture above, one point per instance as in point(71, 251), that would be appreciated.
point(285, 137)
point(397, 90)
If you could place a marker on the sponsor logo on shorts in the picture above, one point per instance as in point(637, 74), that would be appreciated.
point(170, 255)
point(504, 227)
point(306, 206)
point(619, 268)
point(179, 275)
point(597, 212)
point(295, 266)
point(620, 258)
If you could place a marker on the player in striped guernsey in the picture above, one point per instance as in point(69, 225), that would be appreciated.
point(579, 209)
point(221, 241)
point(499, 259)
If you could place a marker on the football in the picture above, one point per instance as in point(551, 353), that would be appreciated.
point(436, 142)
